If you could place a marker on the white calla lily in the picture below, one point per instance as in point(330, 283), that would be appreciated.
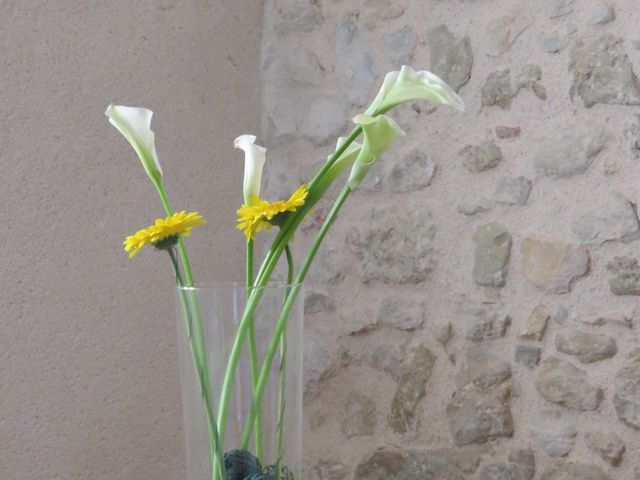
point(345, 160)
point(380, 133)
point(254, 158)
point(350, 152)
point(407, 85)
point(135, 125)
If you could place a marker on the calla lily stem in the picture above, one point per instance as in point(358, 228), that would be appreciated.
point(183, 251)
point(282, 371)
point(253, 355)
point(355, 133)
point(284, 315)
point(200, 368)
point(269, 264)
point(197, 344)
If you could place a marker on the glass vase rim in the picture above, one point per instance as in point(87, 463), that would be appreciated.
point(237, 285)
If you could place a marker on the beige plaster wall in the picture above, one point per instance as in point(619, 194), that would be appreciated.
point(88, 366)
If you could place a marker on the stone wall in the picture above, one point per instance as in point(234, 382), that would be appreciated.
point(472, 314)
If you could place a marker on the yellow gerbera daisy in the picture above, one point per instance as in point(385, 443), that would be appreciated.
point(263, 215)
point(164, 233)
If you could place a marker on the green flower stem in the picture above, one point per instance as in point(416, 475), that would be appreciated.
point(287, 227)
point(249, 264)
point(284, 315)
point(197, 344)
point(262, 278)
point(181, 248)
point(282, 392)
point(325, 168)
point(214, 440)
point(253, 355)
point(236, 349)
point(252, 304)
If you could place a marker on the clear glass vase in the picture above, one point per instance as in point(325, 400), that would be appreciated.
point(209, 319)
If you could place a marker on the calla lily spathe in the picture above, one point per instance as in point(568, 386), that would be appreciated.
point(254, 158)
point(135, 125)
point(407, 85)
point(380, 133)
point(345, 160)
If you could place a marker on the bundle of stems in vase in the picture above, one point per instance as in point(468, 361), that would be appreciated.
point(379, 133)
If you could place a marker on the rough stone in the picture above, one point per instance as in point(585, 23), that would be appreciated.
point(627, 276)
point(377, 10)
point(400, 45)
point(565, 384)
point(492, 252)
point(451, 58)
point(285, 109)
point(574, 471)
point(608, 445)
point(478, 158)
point(316, 302)
point(359, 417)
point(536, 324)
point(513, 190)
point(530, 77)
point(394, 248)
point(553, 266)
point(612, 218)
point(330, 471)
point(483, 369)
point(627, 395)
point(556, 41)
point(522, 463)
point(401, 313)
point(485, 322)
point(297, 16)
point(504, 132)
point(387, 358)
point(494, 471)
point(498, 90)
point(603, 14)
point(587, 347)
point(632, 136)
point(553, 43)
point(500, 35)
point(468, 458)
point(325, 119)
point(319, 360)
point(475, 416)
point(528, 355)
point(482, 205)
point(603, 73)
point(560, 315)
point(610, 167)
point(413, 172)
point(355, 66)
point(326, 267)
point(612, 318)
point(304, 67)
point(569, 151)
point(442, 332)
point(392, 463)
point(558, 8)
point(373, 181)
point(555, 432)
point(412, 378)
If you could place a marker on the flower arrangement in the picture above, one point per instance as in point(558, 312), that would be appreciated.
point(256, 215)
